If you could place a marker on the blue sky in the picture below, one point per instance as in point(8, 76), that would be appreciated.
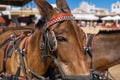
point(75, 3)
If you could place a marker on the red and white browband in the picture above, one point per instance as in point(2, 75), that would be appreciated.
point(59, 18)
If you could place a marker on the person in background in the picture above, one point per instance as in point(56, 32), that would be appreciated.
point(95, 24)
point(88, 25)
point(11, 24)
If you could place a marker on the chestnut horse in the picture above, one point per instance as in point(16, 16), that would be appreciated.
point(66, 49)
point(106, 49)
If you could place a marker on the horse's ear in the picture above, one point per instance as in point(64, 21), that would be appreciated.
point(44, 8)
point(62, 4)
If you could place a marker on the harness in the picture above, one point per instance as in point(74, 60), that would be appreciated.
point(8, 50)
point(44, 47)
point(89, 45)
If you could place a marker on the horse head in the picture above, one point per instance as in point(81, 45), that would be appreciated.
point(68, 45)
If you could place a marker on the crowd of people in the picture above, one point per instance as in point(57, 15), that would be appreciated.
point(30, 21)
point(95, 24)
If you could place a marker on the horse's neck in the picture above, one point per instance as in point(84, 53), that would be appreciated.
point(106, 50)
point(34, 54)
point(36, 38)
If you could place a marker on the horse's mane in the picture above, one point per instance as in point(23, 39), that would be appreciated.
point(40, 23)
point(98, 31)
point(109, 31)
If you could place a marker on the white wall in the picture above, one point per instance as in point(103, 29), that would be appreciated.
point(115, 7)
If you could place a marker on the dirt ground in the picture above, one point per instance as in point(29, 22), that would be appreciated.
point(114, 72)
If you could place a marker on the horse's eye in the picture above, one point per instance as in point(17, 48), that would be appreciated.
point(62, 39)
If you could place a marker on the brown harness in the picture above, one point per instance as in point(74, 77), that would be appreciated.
point(49, 26)
point(8, 50)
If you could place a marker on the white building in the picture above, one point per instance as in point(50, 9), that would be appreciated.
point(116, 7)
point(6, 11)
point(85, 7)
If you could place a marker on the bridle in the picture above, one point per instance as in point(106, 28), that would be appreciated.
point(49, 27)
point(45, 45)
point(59, 18)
